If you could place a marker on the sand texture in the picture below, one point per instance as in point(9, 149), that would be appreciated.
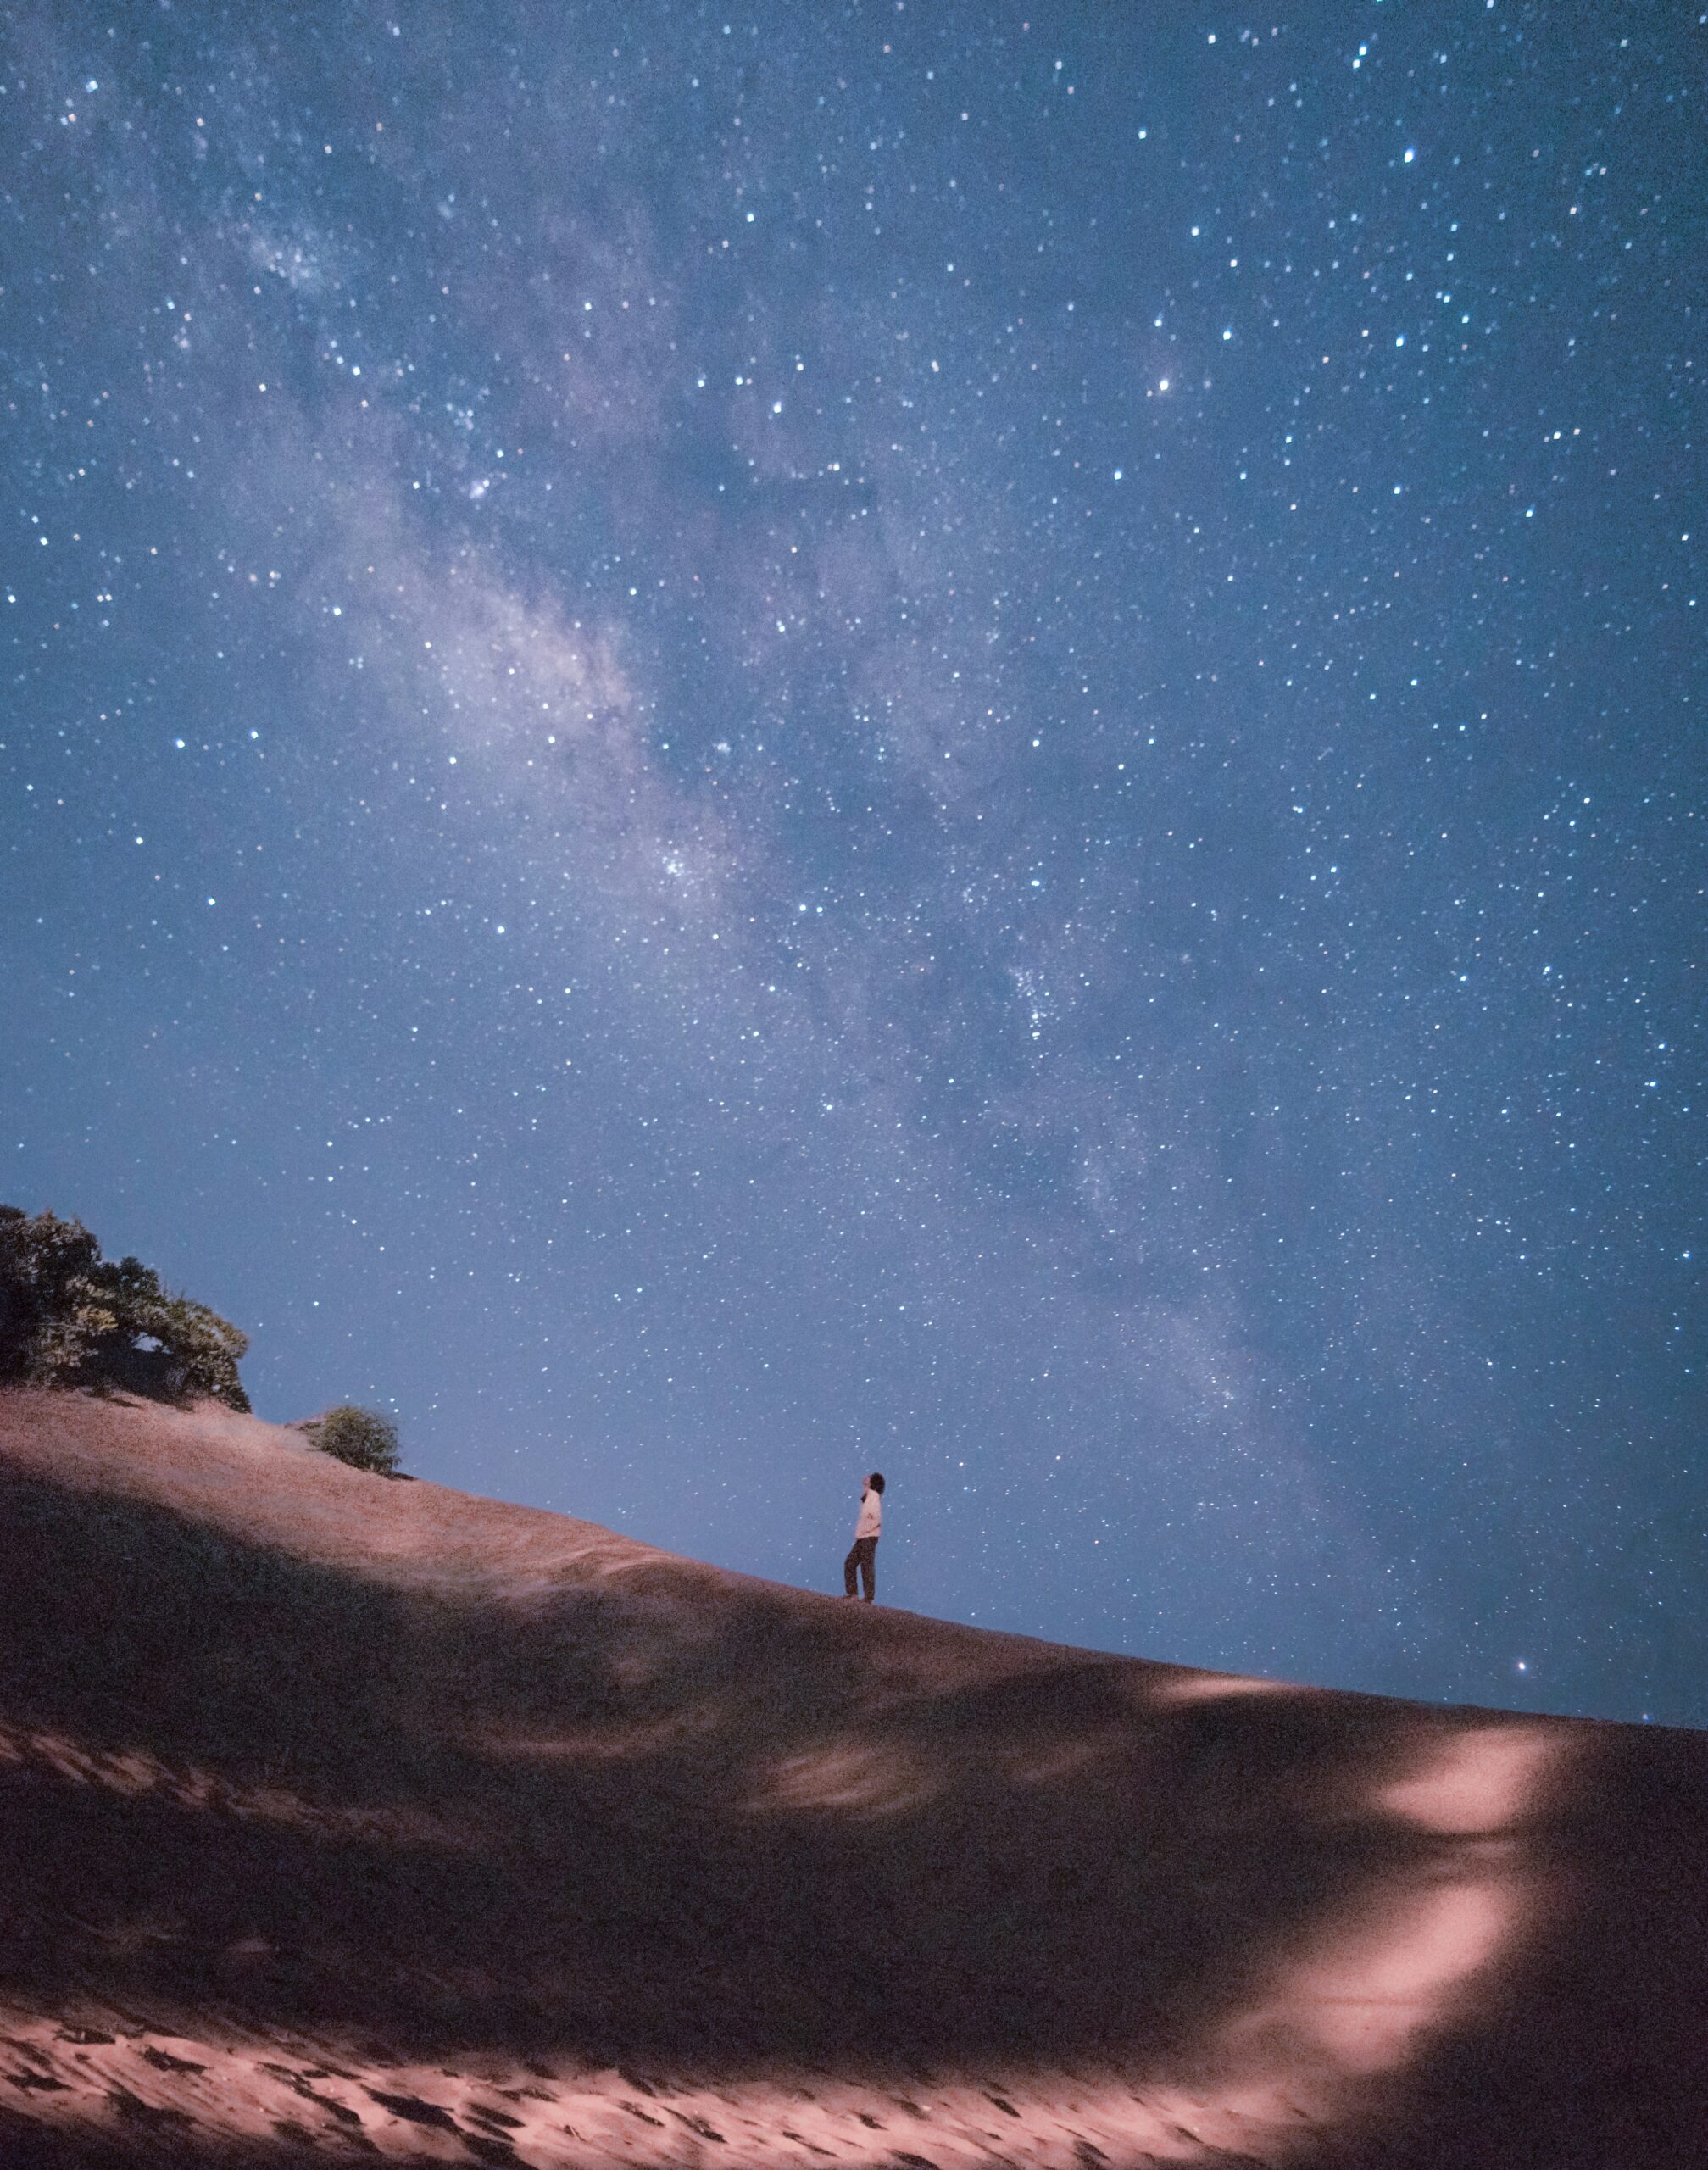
point(344, 1820)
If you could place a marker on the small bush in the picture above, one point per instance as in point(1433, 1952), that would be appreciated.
point(364, 1437)
point(69, 1317)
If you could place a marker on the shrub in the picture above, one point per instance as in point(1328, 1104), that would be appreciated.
point(69, 1317)
point(364, 1437)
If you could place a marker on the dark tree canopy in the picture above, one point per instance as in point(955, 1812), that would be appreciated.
point(69, 1317)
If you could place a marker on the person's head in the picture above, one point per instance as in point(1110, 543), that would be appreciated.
point(875, 1482)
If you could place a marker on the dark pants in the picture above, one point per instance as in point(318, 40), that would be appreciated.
point(862, 1560)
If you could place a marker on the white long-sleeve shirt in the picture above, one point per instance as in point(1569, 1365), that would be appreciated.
point(871, 1522)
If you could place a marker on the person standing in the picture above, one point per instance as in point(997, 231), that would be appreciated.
point(862, 1560)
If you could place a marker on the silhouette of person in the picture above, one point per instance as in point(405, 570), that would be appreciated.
point(862, 1560)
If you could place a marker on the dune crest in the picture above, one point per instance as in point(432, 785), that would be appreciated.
point(345, 1819)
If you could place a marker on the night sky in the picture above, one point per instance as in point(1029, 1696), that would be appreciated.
point(740, 744)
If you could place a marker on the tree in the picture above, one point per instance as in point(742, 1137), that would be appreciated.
point(69, 1317)
point(366, 1439)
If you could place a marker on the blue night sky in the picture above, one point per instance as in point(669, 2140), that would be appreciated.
point(743, 744)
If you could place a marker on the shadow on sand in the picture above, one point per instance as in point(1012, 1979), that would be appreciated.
point(749, 1829)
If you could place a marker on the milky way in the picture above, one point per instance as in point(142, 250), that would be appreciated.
point(744, 744)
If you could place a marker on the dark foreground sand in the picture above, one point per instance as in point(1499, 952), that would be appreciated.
point(341, 1819)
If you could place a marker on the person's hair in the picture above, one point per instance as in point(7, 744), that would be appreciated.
point(877, 1480)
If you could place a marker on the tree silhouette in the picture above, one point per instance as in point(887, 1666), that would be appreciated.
point(364, 1437)
point(69, 1317)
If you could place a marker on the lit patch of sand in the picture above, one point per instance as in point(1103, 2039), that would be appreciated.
point(1486, 1778)
point(1215, 1688)
point(135, 1773)
point(846, 1778)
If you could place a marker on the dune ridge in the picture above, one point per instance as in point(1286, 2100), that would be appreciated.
point(341, 1819)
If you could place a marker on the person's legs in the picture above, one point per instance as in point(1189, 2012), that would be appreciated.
point(851, 1567)
point(867, 1549)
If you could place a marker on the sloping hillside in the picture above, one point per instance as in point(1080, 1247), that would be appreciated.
point(342, 1818)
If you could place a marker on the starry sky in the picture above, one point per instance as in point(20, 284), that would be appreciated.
point(740, 743)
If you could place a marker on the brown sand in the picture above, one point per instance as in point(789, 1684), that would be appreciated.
point(341, 1819)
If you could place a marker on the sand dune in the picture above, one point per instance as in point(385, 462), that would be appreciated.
point(341, 1819)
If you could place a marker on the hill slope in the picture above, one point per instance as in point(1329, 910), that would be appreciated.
point(341, 1819)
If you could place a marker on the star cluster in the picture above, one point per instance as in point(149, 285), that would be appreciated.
point(744, 743)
